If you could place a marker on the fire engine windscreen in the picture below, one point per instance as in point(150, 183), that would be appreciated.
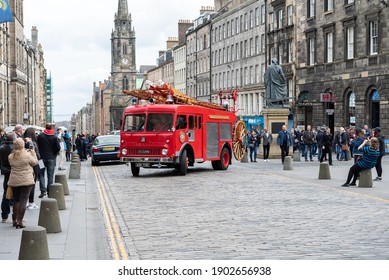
point(159, 122)
point(134, 123)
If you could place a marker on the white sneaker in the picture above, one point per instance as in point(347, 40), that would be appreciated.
point(31, 206)
point(265, 160)
point(4, 221)
point(268, 160)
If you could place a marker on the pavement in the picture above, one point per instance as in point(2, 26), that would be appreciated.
point(84, 224)
point(83, 234)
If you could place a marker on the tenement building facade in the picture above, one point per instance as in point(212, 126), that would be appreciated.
point(342, 63)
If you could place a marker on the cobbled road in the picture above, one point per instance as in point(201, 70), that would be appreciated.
point(251, 211)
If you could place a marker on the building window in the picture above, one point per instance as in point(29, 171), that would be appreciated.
point(280, 17)
point(349, 2)
point(290, 52)
point(232, 27)
point(257, 74)
point(257, 45)
point(263, 14)
point(257, 16)
point(271, 22)
point(330, 47)
point(350, 42)
point(351, 109)
point(289, 11)
point(290, 88)
point(280, 54)
point(242, 23)
point(125, 83)
point(228, 29)
point(237, 25)
point(251, 19)
point(262, 43)
point(373, 37)
point(311, 51)
point(311, 8)
point(252, 46)
point(328, 5)
point(246, 22)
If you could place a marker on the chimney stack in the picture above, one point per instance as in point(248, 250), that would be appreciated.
point(183, 26)
point(34, 37)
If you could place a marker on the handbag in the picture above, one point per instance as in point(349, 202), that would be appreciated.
point(344, 147)
point(9, 193)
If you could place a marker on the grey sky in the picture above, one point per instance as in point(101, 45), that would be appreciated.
point(76, 40)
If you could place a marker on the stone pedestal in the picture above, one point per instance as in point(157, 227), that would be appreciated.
point(274, 118)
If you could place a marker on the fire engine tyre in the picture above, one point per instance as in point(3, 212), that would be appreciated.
point(224, 159)
point(183, 163)
point(134, 170)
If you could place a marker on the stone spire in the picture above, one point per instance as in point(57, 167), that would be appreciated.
point(122, 8)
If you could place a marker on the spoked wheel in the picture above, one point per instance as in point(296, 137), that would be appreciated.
point(239, 140)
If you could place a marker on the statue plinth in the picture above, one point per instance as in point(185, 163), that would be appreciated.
point(274, 119)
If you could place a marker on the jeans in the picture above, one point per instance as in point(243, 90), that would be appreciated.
point(253, 151)
point(50, 167)
point(378, 166)
point(5, 208)
point(310, 148)
point(266, 149)
point(284, 152)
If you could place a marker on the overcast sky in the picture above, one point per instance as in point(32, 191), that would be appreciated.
point(76, 40)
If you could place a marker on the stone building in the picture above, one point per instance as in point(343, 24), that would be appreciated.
point(101, 102)
point(22, 73)
point(342, 63)
point(123, 62)
point(198, 57)
point(238, 55)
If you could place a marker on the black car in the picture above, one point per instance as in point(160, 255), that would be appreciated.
point(105, 148)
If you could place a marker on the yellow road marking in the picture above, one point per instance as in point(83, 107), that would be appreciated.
point(115, 237)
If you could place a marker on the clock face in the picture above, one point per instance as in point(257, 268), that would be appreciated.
point(125, 61)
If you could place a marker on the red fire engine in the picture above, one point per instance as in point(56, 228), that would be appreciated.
point(175, 131)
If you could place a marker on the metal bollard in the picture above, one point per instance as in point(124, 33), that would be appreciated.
point(365, 179)
point(34, 244)
point(74, 172)
point(324, 171)
point(49, 215)
point(288, 163)
point(61, 178)
point(56, 191)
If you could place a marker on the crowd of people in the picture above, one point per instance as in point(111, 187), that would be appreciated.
point(366, 146)
point(27, 156)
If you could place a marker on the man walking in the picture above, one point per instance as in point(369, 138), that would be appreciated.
point(284, 140)
point(49, 147)
point(267, 140)
point(308, 138)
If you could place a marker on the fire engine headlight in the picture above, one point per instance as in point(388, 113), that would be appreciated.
point(124, 151)
point(164, 152)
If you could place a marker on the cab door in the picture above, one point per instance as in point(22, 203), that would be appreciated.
point(195, 136)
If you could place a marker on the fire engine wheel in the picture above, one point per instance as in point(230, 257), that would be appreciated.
point(224, 161)
point(183, 163)
point(239, 144)
point(134, 170)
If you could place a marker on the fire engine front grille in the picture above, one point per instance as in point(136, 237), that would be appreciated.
point(144, 152)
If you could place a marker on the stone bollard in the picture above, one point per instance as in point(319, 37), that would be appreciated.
point(74, 172)
point(296, 156)
point(365, 179)
point(324, 171)
point(61, 178)
point(288, 163)
point(34, 244)
point(245, 158)
point(56, 191)
point(348, 154)
point(49, 215)
point(75, 156)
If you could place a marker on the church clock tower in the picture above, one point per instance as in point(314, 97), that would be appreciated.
point(123, 66)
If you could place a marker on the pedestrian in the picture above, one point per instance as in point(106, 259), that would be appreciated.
point(267, 140)
point(19, 130)
point(284, 140)
point(62, 152)
point(253, 146)
point(344, 144)
point(30, 140)
point(381, 138)
point(326, 145)
point(357, 141)
point(308, 139)
point(319, 140)
point(21, 179)
point(296, 136)
point(5, 150)
point(68, 144)
point(351, 135)
point(370, 154)
point(49, 147)
point(2, 135)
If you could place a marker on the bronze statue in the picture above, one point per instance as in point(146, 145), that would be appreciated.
point(275, 84)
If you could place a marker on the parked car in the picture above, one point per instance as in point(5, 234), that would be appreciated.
point(105, 148)
point(114, 132)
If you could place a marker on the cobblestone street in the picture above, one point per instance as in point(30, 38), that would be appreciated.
point(251, 211)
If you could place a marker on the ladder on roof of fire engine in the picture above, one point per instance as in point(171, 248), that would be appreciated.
point(165, 94)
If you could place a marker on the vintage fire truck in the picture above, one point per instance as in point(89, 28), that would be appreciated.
point(175, 131)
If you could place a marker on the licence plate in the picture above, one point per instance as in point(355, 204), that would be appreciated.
point(142, 164)
point(108, 149)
